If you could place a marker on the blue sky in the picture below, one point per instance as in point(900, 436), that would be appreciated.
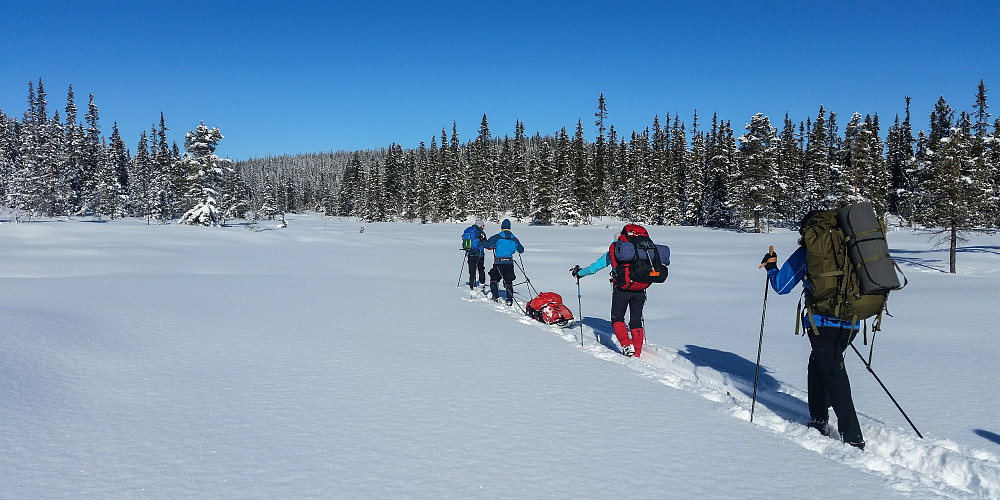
point(317, 76)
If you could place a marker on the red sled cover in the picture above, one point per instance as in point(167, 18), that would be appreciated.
point(548, 308)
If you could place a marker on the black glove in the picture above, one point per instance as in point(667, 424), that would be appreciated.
point(770, 260)
point(575, 272)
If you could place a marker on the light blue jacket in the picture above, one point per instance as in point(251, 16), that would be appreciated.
point(601, 262)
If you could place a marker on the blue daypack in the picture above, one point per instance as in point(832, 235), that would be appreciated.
point(471, 242)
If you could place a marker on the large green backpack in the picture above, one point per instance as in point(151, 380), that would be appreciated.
point(833, 277)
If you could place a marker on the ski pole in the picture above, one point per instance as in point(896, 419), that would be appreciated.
point(523, 310)
point(531, 288)
point(579, 303)
point(886, 391)
point(760, 343)
point(460, 271)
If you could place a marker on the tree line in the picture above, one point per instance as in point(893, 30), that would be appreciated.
point(670, 173)
point(52, 165)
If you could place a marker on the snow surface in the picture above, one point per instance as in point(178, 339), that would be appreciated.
point(318, 360)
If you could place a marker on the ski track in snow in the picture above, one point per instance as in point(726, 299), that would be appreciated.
point(908, 463)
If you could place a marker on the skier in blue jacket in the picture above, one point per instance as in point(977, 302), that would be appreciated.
point(503, 244)
point(826, 377)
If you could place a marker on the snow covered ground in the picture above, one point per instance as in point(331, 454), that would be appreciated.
point(319, 360)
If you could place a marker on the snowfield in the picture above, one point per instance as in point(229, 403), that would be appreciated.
point(320, 360)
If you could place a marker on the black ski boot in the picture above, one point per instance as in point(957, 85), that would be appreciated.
point(820, 425)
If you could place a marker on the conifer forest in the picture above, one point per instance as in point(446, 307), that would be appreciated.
point(693, 171)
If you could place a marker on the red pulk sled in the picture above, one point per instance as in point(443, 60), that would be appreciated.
point(548, 308)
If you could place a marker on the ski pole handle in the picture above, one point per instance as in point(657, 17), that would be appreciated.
point(768, 258)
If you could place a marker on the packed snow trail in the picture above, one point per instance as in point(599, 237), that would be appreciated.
point(907, 462)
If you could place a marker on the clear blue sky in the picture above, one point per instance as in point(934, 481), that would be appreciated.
point(330, 75)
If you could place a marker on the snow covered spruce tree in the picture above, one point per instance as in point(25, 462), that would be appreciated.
point(544, 196)
point(520, 171)
point(482, 184)
point(583, 192)
point(756, 184)
point(694, 188)
point(655, 188)
point(789, 172)
point(720, 170)
point(205, 174)
point(899, 162)
point(864, 176)
point(816, 174)
point(956, 190)
point(680, 172)
point(112, 182)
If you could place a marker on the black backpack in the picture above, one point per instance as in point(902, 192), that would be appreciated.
point(636, 261)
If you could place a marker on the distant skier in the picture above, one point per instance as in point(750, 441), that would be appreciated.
point(503, 244)
point(472, 243)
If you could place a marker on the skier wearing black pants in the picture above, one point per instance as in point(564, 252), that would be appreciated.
point(475, 236)
point(826, 374)
point(503, 244)
point(627, 294)
point(633, 302)
point(826, 378)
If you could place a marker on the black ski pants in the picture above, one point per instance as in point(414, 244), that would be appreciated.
point(477, 263)
point(827, 381)
point(502, 270)
point(622, 300)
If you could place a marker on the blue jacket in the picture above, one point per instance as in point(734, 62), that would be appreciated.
point(503, 244)
point(601, 262)
point(783, 280)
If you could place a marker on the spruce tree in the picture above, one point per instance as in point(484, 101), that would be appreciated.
point(112, 179)
point(90, 162)
point(544, 187)
point(351, 183)
point(599, 165)
point(74, 146)
point(141, 187)
point(30, 181)
point(677, 203)
point(788, 174)
point(456, 166)
point(484, 184)
point(899, 158)
point(695, 189)
point(864, 177)
point(520, 168)
point(205, 174)
point(375, 209)
point(440, 178)
point(564, 203)
point(582, 187)
point(424, 186)
point(622, 180)
point(958, 193)
point(712, 195)
point(981, 115)
point(758, 150)
point(817, 161)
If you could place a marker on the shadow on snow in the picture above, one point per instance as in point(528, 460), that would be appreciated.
point(732, 366)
